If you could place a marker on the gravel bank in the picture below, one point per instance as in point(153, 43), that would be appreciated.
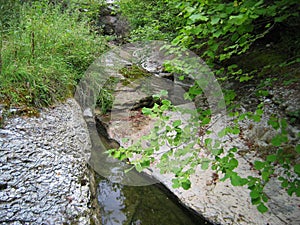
point(44, 177)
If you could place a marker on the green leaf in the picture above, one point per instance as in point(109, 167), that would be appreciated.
point(204, 165)
point(186, 184)
point(236, 180)
point(145, 163)
point(181, 77)
point(163, 93)
point(274, 123)
point(222, 133)
point(285, 184)
point(297, 148)
point(265, 198)
point(215, 20)
point(262, 208)
point(245, 78)
point(125, 140)
point(233, 163)
point(176, 183)
point(255, 194)
point(235, 130)
point(259, 165)
point(166, 102)
point(217, 152)
point(255, 201)
point(291, 190)
point(278, 140)
point(271, 158)
point(256, 118)
point(238, 20)
point(146, 111)
point(122, 157)
point(177, 123)
point(265, 175)
point(205, 121)
point(116, 154)
point(259, 112)
point(297, 169)
point(138, 167)
point(198, 17)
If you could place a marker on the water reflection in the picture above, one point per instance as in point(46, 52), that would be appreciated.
point(111, 200)
point(147, 205)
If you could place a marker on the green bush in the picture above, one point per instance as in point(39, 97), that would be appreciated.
point(150, 19)
point(44, 53)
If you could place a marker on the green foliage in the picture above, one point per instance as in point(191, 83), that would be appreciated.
point(106, 98)
point(220, 32)
point(44, 53)
point(151, 19)
point(184, 146)
point(217, 30)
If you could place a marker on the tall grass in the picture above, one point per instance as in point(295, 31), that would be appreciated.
point(44, 53)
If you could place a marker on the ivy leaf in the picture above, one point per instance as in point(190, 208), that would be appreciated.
point(222, 133)
point(298, 192)
point(205, 121)
point(166, 102)
point(291, 190)
point(262, 208)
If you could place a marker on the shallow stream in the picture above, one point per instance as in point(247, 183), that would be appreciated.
point(142, 205)
point(139, 205)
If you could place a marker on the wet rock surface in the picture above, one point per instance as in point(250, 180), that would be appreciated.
point(219, 202)
point(44, 178)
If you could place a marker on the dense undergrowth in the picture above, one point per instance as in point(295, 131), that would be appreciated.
point(46, 46)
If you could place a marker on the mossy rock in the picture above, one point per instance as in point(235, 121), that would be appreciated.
point(134, 72)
